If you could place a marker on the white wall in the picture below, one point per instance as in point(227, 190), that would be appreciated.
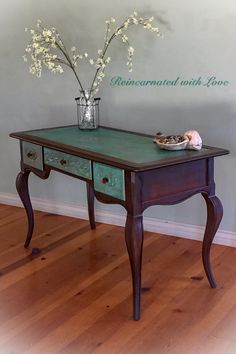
point(199, 41)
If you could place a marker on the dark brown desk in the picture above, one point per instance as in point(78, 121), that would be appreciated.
point(123, 168)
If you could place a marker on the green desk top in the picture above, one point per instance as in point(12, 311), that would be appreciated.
point(134, 150)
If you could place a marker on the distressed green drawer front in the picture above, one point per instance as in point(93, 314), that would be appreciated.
point(32, 155)
point(70, 163)
point(109, 180)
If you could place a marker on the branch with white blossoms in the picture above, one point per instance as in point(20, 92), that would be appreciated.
point(47, 49)
point(43, 51)
point(101, 62)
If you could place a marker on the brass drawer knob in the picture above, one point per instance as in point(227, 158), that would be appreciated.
point(105, 180)
point(63, 162)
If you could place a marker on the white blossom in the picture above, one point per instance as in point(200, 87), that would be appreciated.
point(118, 32)
point(126, 24)
point(124, 38)
point(131, 50)
point(47, 33)
point(130, 57)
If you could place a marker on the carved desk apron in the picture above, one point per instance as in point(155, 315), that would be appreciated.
point(124, 168)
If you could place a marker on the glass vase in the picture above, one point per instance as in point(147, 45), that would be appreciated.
point(87, 110)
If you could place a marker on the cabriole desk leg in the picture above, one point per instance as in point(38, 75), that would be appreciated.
point(23, 191)
point(90, 200)
point(134, 243)
point(214, 216)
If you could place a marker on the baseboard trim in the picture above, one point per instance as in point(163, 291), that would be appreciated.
point(165, 227)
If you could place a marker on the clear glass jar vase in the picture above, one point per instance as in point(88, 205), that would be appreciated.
point(87, 110)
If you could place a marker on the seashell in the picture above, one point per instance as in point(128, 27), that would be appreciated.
point(195, 141)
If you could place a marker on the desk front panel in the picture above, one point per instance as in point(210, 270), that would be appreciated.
point(170, 181)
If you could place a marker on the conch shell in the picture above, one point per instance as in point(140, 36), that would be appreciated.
point(195, 141)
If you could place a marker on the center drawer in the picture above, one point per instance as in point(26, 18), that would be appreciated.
point(75, 165)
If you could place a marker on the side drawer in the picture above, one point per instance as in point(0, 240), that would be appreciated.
point(32, 155)
point(109, 180)
point(75, 165)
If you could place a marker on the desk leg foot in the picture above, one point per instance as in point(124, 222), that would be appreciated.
point(23, 191)
point(90, 200)
point(214, 216)
point(134, 243)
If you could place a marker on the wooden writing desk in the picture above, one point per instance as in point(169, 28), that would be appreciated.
point(123, 168)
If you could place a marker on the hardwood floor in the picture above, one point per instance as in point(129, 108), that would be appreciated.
point(70, 292)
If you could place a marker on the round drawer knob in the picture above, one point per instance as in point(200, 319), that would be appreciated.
point(32, 155)
point(105, 180)
point(63, 162)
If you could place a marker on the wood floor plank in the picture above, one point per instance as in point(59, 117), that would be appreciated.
point(13, 233)
point(164, 290)
point(197, 313)
point(9, 214)
point(81, 286)
point(14, 255)
point(74, 296)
